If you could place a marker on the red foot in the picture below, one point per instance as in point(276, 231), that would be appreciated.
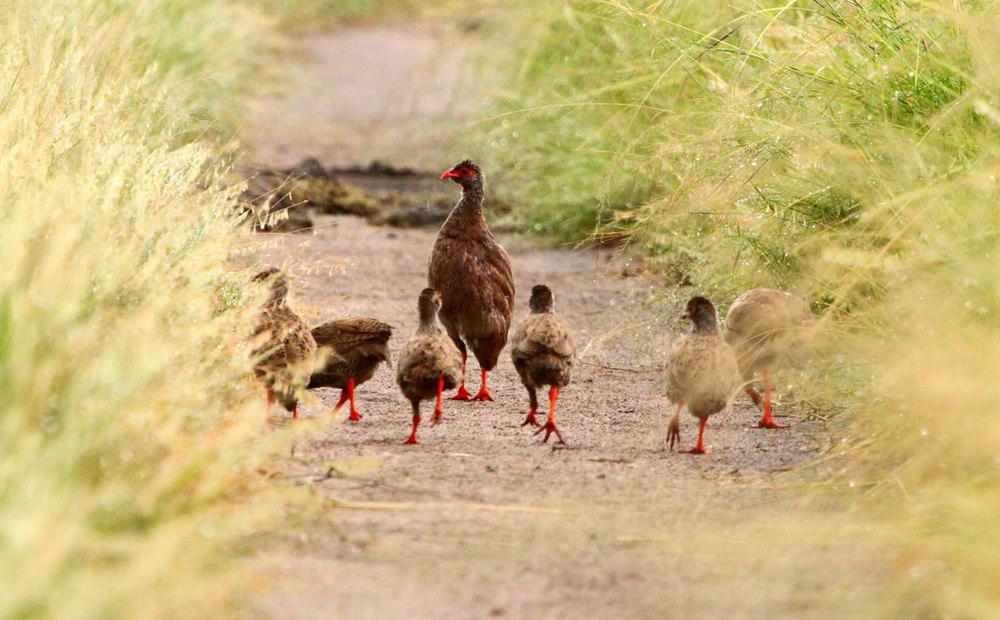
point(483, 396)
point(531, 419)
point(413, 432)
point(766, 422)
point(674, 435)
point(696, 450)
point(438, 408)
point(549, 428)
point(355, 416)
point(461, 394)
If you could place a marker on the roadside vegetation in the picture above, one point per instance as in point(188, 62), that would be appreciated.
point(124, 424)
point(846, 149)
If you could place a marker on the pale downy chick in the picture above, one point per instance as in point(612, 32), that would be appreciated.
point(701, 371)
point(766, 327)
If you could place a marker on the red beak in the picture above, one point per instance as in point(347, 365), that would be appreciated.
point(451, 174)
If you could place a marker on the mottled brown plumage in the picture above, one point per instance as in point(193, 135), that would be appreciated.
point(472, 273)
point(284, 349)
point(701, 371)
point(543, 353)
point(430, 362)
point(765, 327)
point(350, 350)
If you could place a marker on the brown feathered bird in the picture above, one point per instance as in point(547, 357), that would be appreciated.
point(701, 371)
point(284, 350)
point(472, 273)
point(350, 351)
point(429, 364)
point(543, 352)
point(766, 326)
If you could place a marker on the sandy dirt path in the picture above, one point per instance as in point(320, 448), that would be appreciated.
point(482, 519)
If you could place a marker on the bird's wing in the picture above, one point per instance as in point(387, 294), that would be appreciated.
point(543, 334)
point(364, 336)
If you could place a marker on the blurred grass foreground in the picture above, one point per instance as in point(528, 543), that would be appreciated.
point(124, 441)
point(851, 149)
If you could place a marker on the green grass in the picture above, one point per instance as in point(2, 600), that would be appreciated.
point(849, 149)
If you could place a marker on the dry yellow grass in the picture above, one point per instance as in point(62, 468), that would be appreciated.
point(124, 422)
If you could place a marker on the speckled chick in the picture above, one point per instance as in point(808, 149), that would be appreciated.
point(543, 353)
point(701, 371)
point(350, 351)
point(285, 350)
point(766, 327)
point(430, 362)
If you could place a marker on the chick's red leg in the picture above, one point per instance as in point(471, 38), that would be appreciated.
point(438, 409)
point(416, 423)
point(532, 408)
point(550, 424)
point(700, 448)
point(295, 412)
point(484, 392)
point(462, 393)
point(531, 419)
point(355, 414)
point(344, 396)
point(754, 396)
point(767, 421)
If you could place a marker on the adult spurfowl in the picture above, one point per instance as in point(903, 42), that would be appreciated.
point(472, 273)
point(701, 371)
point(765, 327)
point(350, 350)
point(429, 364)
point(285, 350)
point(542, 350)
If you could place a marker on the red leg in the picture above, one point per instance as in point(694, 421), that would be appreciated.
point(484, 392)
point(355, 414)
point(413, 433)
point(344, 396)
point(767, 421)
point(295, 412)
point(550, 424)
point(531, 419)
point(462, 393)
point(700, 448)
point(416, 423)
point(438, 409)
point(754, 396)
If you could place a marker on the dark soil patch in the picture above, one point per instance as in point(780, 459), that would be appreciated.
point(287, 200)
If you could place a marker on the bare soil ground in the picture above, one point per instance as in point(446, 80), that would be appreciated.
point(482, 519)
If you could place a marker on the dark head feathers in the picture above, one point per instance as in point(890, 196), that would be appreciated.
point(701, 312)
point(541, 299)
